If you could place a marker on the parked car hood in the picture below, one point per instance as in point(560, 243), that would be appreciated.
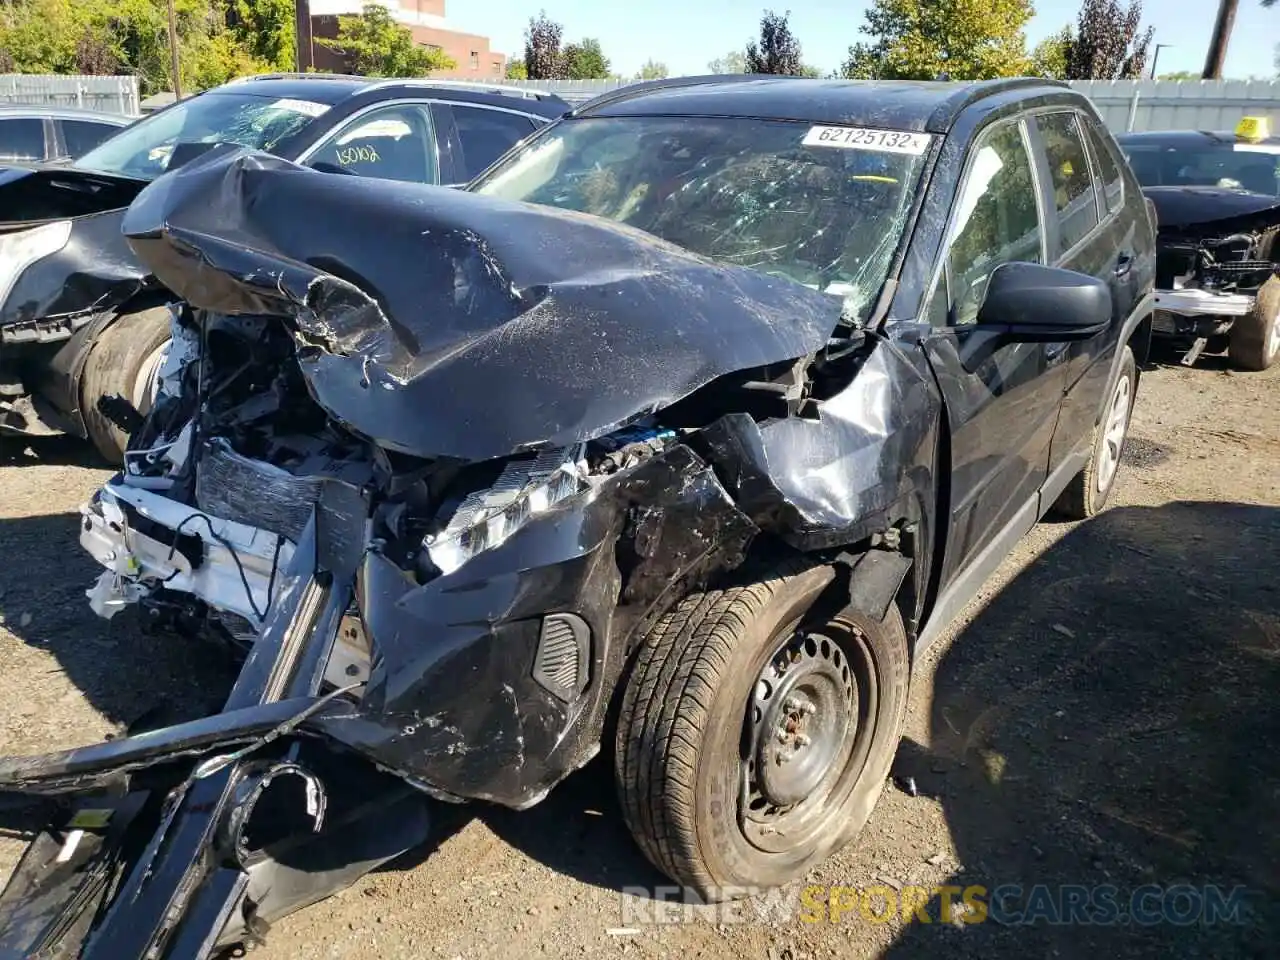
point(442, 323)
point(1194, 206)
point(38, 192)
point(96, 271)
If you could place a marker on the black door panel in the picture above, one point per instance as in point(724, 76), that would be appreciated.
point(1002, 403)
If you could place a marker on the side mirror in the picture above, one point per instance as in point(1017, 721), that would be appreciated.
point(1032, 303)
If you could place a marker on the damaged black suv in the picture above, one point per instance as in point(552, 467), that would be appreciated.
point(684, 431)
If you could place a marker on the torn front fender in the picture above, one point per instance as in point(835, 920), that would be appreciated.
point(531, 325)
point(833, 479)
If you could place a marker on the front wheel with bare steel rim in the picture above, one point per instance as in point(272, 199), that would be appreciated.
point(757, 729)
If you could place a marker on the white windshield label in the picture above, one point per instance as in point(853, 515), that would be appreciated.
point(861, 138)
point(1257, 147)
point(305, 107)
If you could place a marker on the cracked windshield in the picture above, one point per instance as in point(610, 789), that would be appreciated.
point(824, 206)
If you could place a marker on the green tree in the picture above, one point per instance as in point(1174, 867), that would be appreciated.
point(778, 51)
point(543, 59)
point(127, 36)
point(516, 70)
point(1107, 44)
point(735, 61)
point(1049, 58)
point(585, 60)
point(923, 39)
point(377, 46)
point(265, 28)
point(652, 70)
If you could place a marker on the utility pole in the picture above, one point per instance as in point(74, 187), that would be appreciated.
point(1221, 34)
point(1155, 58)
point(305, 58)
point(176, 75)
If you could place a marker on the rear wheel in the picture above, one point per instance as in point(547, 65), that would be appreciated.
point(124, 362)
point(1255, 339)
point(757, 730)
point(1088, 490)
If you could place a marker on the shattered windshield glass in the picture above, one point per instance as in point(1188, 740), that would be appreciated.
point(824, 206)
point(146, 149)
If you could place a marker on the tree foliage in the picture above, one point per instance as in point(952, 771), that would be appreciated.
point(1107, 44)
point(126, 36)
point(735, 61)
point(1049, 58)
point(543, 59)
point(375, 45)
point(924, 39)
point(585, 61)
point(778, 51)
point(266, 30)
point(653, 70)
point(516, 70)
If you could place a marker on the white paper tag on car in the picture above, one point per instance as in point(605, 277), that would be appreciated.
point(862, 138)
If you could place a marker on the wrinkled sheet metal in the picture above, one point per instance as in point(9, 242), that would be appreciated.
point(814, 481)
point(94, 272)
point(435, 645)
point(530, 325)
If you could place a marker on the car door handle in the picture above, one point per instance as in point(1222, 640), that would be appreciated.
point(1124, 263)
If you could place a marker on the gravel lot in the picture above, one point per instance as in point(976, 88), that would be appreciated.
point(1106, 713)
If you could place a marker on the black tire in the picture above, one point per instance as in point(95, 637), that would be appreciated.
point(1255, 339)
point(1087, 493)
point(684, 726)
point(112, 369)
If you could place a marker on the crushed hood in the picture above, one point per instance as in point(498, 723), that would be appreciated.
point(1180, 207)
point(442, 323)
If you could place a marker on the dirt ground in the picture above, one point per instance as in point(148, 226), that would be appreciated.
point(1107, 712)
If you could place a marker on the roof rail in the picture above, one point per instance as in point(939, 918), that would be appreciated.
point(498, 89)
point(295, 76)
point(669, 83)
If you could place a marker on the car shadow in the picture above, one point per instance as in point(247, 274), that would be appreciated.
point(126, 673)
point(1110, 720)
point(60, 451)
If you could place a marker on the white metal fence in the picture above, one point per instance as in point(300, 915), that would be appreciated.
point(1124, 104)
point(110, 94)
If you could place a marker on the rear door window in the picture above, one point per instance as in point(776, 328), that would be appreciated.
point(81, 136)
point(22, 138)
point(486, 135)
point(1108, 170)
point(1074, 193)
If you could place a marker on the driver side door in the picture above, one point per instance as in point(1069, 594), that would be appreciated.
point(1002, 404)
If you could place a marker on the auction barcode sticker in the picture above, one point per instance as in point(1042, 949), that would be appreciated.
point(860, 138)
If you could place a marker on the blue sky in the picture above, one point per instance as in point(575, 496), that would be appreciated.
point(685, 34)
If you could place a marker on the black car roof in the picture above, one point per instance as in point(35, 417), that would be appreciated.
point(1174, 139)
point(334, 89)
point(900, 105)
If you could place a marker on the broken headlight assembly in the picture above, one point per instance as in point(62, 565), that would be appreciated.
point(525, 488)
point(22, 248)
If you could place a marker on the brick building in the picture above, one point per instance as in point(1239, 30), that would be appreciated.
point(426, 20)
